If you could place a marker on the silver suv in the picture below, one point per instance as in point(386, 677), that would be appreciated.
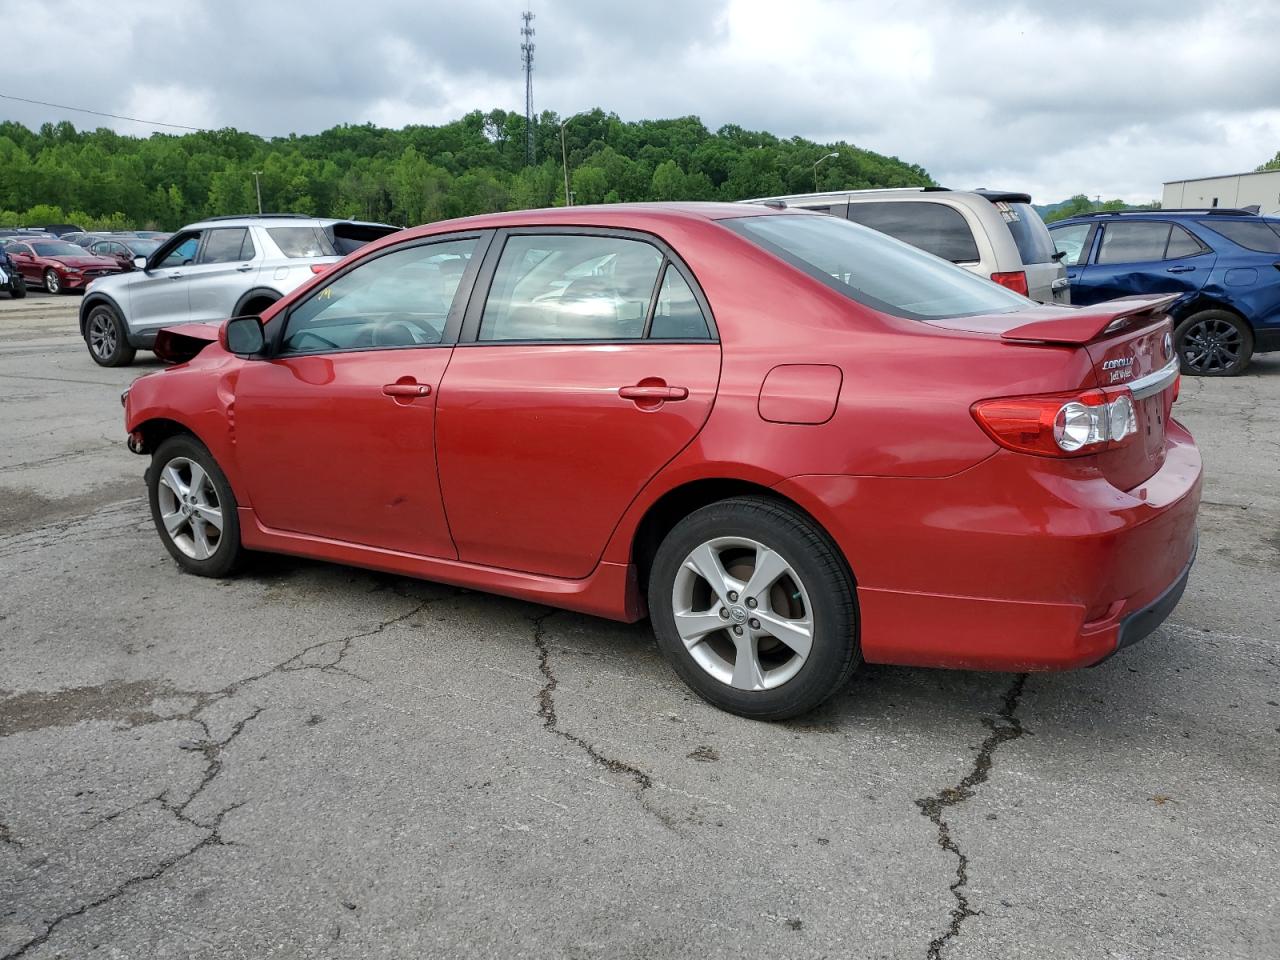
point(217, 268)
point(993, 233)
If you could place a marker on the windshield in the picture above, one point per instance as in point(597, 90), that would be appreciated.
point(876, 270)
point(57, 248)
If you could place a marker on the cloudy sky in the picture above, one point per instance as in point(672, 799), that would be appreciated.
point(1053, 98)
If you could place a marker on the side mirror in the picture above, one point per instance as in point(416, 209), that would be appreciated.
point(242, 336)
point(139, 263)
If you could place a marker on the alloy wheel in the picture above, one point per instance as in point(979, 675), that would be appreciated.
point(52, 282)
point(743, 613)
point(102, 336)
point(1212, 346)
point(189, 508)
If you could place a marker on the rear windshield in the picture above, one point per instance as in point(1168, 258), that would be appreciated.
point(1260, 235)
point(876, 270)
point(1029, 232)
point(935, 227)
point(301, 241)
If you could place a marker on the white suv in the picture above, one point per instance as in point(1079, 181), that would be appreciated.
point(993, 233)
point(217, 268)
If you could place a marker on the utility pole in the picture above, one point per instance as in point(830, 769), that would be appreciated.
point(564, 158)
point(526, 56)
point(257, 186)
point(815, 168)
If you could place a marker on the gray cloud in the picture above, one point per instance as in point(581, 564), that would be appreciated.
point(1092, 96)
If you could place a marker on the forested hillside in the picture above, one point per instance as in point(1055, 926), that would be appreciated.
point(103, 180)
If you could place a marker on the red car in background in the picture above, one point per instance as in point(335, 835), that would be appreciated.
point(56, 265)
point(791, 441)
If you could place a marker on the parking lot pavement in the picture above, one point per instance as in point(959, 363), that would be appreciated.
point(315, 761)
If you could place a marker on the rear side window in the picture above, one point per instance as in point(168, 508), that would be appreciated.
point(933, 227)
point(226, 245)
point(564, 287)
point(875, 270)
point(297, 242)
point(1182, 244)
point(1029, 232)
point(676, 315)
point(1142, 241)
point(1260, 235)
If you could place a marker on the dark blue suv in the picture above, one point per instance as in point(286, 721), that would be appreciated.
point(1224, 262)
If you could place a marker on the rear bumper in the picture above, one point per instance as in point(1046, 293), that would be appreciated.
point(1015, 564)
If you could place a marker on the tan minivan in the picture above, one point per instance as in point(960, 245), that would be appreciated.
point(993, 233)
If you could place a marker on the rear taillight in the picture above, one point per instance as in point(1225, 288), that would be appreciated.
point(1060, 424)
point(1015, 280)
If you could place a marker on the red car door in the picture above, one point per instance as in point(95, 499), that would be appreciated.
point(589, 365)
point(335, 434)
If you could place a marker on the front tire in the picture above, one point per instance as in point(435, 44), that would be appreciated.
point(754, 608)
point(1213, 343)
point(194, 508)
point(106, 338)
point(52, 282)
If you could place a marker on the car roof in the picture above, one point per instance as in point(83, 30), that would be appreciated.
point(616, 215)
point(1173, 213)
point(895, 193)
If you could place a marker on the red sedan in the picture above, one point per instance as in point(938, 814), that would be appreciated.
point(792, 442)
point(57, 265)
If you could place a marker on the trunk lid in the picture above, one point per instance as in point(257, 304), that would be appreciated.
point(1128, 343)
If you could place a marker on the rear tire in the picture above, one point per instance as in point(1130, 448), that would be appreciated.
point(17, 288)
point(194, 508)
point(1213, 343)
point(782, 587)
point(106, 337)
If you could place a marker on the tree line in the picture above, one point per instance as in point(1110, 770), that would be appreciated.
point(101, 179)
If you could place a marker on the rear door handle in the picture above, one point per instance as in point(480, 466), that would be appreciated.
point(245, 269)
point(407, 389)
point(175, 276)
point(644, 392)
point(1180, 269)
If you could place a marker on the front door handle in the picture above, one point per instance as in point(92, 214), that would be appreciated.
point(175, 276)
point(1180, 269)
point(406, 389)
point(643, 391)
point(245, 268)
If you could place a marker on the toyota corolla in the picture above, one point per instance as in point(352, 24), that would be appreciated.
point(795, 444)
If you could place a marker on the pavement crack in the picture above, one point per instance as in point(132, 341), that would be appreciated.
point(7, 837)
point(1004, 728)
point(551, 722)
point(212, 838)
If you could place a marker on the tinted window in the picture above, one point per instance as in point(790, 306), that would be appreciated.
point(57, 248)
point(1071, 241)
point(876, 270)
point(224, 245)
point(676, 315)
point(183, 253)
point(399, 299)
point(939, 229)
point(101, 248)
point(1260, 235)
point(1182, 244)
point(571, 288)
point(834, 209)
point(301, 241)
point(1138, 242)
point(1029, 232)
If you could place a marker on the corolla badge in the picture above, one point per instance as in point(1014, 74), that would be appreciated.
point(1120, 368)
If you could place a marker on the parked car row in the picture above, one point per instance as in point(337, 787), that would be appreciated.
point(57, 266)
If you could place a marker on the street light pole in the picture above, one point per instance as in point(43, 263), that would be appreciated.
point(564, 159)
point(257, 186)
point(815, 168)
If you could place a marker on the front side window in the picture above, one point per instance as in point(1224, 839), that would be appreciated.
point(225, 245)
point(183, 253)
point(934, 227)
point(1141, 241)
point(398, 299)
point(1071, 241)
point(563, 287)
point(875, 270)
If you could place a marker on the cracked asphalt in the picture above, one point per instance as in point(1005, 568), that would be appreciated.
point(311, 761)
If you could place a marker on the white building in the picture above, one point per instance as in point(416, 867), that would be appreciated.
point(1235, 190)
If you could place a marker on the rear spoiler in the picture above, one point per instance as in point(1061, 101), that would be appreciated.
point(1091, 322)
